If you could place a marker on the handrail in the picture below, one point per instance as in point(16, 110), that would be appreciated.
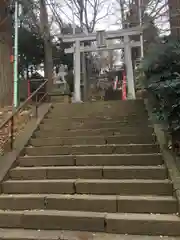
point(23, 104)
point(10, 119)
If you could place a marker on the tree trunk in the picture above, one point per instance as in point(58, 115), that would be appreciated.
point(45, 31)
point(174, 14)
point(6, 67)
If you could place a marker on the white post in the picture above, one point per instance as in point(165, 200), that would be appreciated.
point(77, 74)
point(141, 35)
point(74, 70)
point(129, 68)
point(16, 25)
point(74, 53)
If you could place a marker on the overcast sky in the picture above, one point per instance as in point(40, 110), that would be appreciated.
point(106, 23)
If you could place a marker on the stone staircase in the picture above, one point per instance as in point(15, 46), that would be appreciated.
point(91, 167)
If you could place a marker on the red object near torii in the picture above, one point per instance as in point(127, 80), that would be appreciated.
point(124, 93)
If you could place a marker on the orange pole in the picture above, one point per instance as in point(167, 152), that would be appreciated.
point(29, 88)
point(124, 94)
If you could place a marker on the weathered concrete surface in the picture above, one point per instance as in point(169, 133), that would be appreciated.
point(93, 149)
point(117, 187)
point(89, 172)
point(21, 234)
point(98, 140)
point(153, 159)
point(92, 203)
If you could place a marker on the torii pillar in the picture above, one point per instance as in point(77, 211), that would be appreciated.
point(77, 72)
point(129, 68)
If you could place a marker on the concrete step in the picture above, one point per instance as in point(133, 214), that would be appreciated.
point(148, 224)
point(152, 159)
point(39, 186)
point(89, 172)
point(98, 128)
point(84, 140)
point(78, 127)
point(27, 234)
point(132, 187)
point(123, 223)
point(96, 114)
point(90, 132)
point(96, 118)
point(123, 120)
point(90, 203)
point(92, 108)
point(103, 107)
point(99, 115)
point(70, 110)
point(102, 104)
point(93, 149)
point(89, 121)
point(90, 186)
point(93, 125)
point(58, 132)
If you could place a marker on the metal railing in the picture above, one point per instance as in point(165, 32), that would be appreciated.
point(8, 128)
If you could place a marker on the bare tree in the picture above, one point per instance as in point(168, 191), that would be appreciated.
point(88, 12)
point(157, 10)
point(164, 13)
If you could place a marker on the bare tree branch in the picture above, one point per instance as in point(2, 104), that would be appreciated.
point(89, 12)
point(154, 8)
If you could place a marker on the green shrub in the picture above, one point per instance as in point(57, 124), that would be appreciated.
point(159, 73)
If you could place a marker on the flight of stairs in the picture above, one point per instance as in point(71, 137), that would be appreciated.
point(92, 167)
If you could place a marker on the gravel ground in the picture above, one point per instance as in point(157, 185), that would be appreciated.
point(20, 121)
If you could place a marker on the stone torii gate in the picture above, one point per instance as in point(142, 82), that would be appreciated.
point(100, 37)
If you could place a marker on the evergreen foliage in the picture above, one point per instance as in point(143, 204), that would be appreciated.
point(160, 75)
point(31, 48)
